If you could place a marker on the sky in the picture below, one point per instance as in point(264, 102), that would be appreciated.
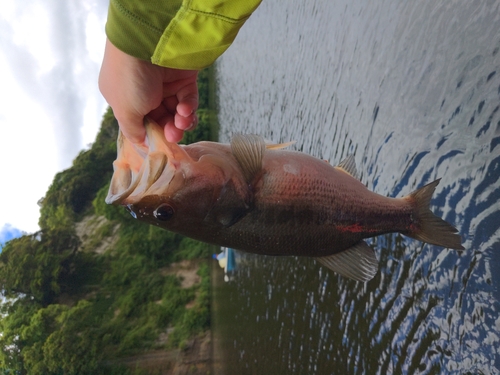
point(50, 104)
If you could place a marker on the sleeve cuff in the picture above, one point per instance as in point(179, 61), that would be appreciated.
point(135, 27)
point(200, 32)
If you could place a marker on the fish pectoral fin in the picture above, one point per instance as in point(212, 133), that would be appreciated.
point(229, 207)
point(227, 218)
point(248, 150)
point(348, 165)
point(357, 263)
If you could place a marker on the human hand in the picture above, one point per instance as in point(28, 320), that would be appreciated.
point(136, 88)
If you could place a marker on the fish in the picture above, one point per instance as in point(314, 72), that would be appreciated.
point(263, 199)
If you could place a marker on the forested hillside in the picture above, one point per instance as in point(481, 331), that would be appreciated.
point(94, 287)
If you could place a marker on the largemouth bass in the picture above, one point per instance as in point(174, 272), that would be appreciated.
point(262, 199)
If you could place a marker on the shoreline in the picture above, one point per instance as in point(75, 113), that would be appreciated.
point(212, 103)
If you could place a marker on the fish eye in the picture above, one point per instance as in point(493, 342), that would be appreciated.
point(164, 212)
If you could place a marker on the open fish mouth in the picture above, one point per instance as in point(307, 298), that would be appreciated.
point(143, 170)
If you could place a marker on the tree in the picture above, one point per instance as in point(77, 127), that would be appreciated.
point(76, 347)
point(17, 316)
point(33, 266)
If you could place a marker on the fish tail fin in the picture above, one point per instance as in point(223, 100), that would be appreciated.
point(429, 227)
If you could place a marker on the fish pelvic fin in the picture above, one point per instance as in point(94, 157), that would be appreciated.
point(248, 150)
point(358, 262)
point(348, 165)
point(429, 227)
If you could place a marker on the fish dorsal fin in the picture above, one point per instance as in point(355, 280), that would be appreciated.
point(279, 146)
point(348, 165)
point(248, 150)
point(357, 263)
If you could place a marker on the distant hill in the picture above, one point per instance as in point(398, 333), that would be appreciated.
point(95, 291)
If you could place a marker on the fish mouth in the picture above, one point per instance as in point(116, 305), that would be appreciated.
point(146, 169)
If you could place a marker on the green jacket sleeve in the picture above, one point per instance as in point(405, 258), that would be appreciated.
point(189, 34)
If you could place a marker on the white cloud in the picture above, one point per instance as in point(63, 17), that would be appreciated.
point(51, 107)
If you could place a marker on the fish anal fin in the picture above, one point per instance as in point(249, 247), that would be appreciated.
point(358, 262)
point(348, 165)
point(248, 150)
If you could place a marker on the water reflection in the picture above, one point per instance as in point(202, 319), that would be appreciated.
point(413, 90)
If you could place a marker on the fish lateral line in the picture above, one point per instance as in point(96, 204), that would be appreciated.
point(356, 228)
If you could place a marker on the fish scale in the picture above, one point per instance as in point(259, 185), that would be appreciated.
point(317, 205)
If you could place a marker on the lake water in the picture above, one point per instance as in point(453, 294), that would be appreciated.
point(412, 89)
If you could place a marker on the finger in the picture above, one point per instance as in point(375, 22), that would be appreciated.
point(133, 129)
point(158, 113)
point(188, 99)
point(161, 116)
point(186, 123)
point(170, 103)
point(173, 134)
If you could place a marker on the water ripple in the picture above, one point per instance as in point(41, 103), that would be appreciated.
point(412, 90)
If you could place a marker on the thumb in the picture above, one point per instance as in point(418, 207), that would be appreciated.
point(132, 128)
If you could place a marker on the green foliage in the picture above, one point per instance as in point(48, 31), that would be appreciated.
point(138, 240)
point(197, 318)
point(75, 187)
point(76, 347)
point(207, 117)
point(16, 316)
point(110, 212)
point(191, 249)
point(38, 266)
point(61, 217)
point(40, 327)
point(67, 311)
point(204, 77)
